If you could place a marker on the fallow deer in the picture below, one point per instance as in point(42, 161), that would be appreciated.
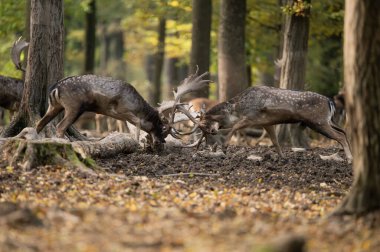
point(117, 99)
point(267, 106)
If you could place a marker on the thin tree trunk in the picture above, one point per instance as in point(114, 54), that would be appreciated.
point(172, 73)
point(232, 73)
point(158, 62)
point(362, 82)
point(116, 65)
point(200, 41)
point(90, 42)
point(293, 71)
point(104, 49)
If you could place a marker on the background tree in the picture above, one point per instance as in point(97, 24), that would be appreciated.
point(46, 39)
point(201, 39)
point(90, 42)
point(232, 75)
point(155, 96)
point(293, 61)
point(362, 82)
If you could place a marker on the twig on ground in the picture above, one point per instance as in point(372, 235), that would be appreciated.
point(189, 174)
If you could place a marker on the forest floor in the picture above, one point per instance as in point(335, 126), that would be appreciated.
point(178, 201)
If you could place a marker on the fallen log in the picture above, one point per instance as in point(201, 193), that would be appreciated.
point(28, 151)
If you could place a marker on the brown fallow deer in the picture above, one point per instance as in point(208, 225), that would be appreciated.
point(117, 99)
point(267, 106)
point(11, 93)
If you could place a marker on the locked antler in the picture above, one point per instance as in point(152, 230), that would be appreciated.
point(191, 84)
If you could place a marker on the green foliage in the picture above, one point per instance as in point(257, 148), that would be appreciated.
point(262, 35)
point(12, 19)
point(138, 20)
point(12, 22)
point(299, 8)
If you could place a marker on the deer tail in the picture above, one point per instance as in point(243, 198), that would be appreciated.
point(332, 112)
point(332, 108)
point(53, 96)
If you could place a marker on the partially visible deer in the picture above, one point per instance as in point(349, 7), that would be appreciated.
point(267, 106)
point(11, 88)
point(197, 104)
point(340, 103)
point(10, 93)
point(116, 99)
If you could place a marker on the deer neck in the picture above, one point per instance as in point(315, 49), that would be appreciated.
point(150, 119)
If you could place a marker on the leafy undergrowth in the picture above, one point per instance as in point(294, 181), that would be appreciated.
point(179, 202)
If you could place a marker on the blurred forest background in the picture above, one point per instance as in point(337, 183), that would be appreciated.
point(130, 34)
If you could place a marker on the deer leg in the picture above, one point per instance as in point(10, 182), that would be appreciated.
point(126, 127)
point(50, 114)
point(69, 118)
point(110, 121)
point(98, 123)
point(273, 137)
point(239, 125)
point(336, 133)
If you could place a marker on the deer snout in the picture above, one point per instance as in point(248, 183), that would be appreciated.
point(213, 129)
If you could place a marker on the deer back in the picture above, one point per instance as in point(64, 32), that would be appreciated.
point(104, 95)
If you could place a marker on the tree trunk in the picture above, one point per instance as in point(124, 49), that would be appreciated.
point(200, 41)
point(116, 65)
point(34, 99)
point(55, 45)
point(90, 42)
point(232, 73)
point(104, 49)
point(172, 73)
point(158, 63)
point(362, 82)
point(293, 69)
point(26, 34)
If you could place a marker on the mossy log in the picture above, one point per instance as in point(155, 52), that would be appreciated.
point(29, 154)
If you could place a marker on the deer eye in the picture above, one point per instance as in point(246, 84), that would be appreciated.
point(164, 128)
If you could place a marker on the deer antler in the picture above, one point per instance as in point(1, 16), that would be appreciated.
point(190, 84)
point(18, 46)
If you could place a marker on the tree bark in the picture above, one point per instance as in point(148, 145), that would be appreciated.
point(90, 38)
point(172, 73)
point(155, 95)
point(116, 65)
point(293, 70)
point(362, 82)
point(104, 49)
point(232, 75)
point(200, 41)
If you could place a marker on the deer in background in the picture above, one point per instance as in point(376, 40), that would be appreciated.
point(267, 106)
point(11, 88)
point(117, 99)
point(340, 103)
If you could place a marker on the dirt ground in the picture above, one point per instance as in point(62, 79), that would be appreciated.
point(178, 201)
